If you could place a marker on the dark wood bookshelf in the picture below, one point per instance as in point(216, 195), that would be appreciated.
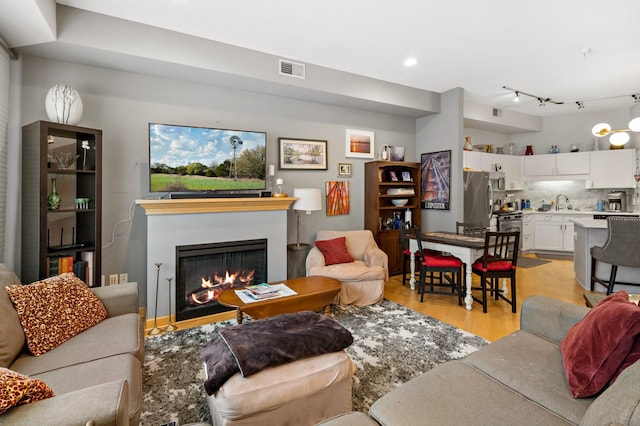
point(378, 204)
point(70, 230)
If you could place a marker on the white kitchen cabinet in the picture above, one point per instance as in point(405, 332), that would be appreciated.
point(512, 168)
point(613, 168)
point(557, 166)
point(483, 161)
point(527, 232)
point(472, 160)
point(554, 232)
point(539, 165)
point(572, 163)
point(568, 235)
point(548, 232)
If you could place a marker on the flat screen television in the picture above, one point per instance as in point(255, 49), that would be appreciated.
point(188, 159)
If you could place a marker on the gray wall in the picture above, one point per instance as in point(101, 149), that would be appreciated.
point(442, 132)
point(122, 104)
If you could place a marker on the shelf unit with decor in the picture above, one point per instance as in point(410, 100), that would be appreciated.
point(65, 235)
point(380, 210)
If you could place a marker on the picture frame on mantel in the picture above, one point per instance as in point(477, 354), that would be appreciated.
point(302, 154)
point(359, 143)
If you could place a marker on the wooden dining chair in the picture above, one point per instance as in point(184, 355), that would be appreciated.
point(498, 261)
point(471, 229)
point(405, 234)
point(624, 233)
point(436, 266)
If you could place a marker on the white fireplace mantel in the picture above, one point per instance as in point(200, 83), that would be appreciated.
point(178, 222)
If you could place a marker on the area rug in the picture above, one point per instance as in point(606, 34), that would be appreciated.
point(530, 262)
point(392, 344)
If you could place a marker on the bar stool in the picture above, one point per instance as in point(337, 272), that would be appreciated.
point(621, 249)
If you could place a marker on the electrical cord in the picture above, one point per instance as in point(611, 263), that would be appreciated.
point(113, 232)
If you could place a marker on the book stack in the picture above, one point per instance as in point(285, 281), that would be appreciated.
point(82, 269)
point(57, 265)
point(262, 291)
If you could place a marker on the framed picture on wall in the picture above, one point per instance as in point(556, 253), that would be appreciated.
point(359, 144)
point(302, 154)
point(435, 170)
point(344, 169)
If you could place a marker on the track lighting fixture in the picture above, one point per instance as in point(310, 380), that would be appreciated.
point(542, 101)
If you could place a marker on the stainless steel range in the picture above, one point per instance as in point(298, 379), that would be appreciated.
point(510, 221)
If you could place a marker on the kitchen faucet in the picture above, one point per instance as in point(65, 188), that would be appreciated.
point(566, 200)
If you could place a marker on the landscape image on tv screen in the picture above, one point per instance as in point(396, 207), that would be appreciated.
point(201, 159)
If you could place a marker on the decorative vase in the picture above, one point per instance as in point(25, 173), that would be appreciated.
point(53, 200)
point(63, 104)
point(529, 150)
point(467, 144)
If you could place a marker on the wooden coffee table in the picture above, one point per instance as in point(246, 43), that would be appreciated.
point(314, 293)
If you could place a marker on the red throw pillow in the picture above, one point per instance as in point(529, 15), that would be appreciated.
point(595, 348)
point(334, 251)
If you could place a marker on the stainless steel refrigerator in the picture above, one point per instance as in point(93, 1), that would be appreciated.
point(478, 198)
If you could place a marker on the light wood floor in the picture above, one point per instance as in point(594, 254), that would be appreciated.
point(555, 279)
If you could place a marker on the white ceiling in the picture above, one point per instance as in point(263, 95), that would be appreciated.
point(533, 46)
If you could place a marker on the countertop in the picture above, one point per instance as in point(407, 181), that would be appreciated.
point(579, 212)
point(590, 223)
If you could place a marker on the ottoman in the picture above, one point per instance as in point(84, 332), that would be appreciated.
point(303, 392)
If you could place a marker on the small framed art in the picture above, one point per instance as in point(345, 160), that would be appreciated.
point(344, 169)
point(359, 144)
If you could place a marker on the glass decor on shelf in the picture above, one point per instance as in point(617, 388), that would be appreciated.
point(53, 200)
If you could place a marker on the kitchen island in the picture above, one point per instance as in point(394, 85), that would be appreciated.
point(594, 232)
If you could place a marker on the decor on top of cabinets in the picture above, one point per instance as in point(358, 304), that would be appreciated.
point(528, 150)
point(436, 180)
point(302, 154)
point(338, 199)
point(63, 104)
point(359, 143)
point(384, 152)
point(467, 144)
point(397, 153)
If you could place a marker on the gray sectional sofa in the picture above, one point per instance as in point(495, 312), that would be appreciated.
point(518, 379)
point(96, 375)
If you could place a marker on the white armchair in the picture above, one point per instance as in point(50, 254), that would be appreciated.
point(363, 279)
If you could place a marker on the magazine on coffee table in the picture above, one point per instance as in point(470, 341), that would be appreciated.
point(261, 292)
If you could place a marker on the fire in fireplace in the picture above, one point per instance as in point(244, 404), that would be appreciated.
point(205, 270)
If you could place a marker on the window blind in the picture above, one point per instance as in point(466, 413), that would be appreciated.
point(4, 125)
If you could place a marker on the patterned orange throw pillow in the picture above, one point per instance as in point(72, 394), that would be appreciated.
point(54, 310)
point(16, 389)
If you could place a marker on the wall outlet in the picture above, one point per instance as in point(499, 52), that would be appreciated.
point(113, 279)
point(124, 278)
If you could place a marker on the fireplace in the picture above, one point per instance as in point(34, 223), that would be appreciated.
point(203, 271)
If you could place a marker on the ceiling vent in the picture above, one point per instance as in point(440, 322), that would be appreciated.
point(292, 69)
point(497, 112)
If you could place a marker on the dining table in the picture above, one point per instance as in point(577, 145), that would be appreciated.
point(465, 247)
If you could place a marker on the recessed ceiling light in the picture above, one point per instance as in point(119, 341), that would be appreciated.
point(410, 62)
